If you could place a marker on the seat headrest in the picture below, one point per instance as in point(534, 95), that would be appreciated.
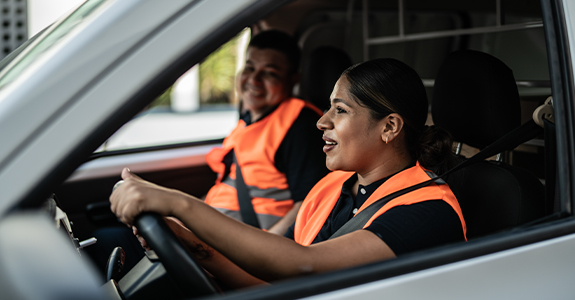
point(475, 98)
point(320, 72)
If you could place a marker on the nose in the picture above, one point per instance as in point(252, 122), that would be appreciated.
point(255, 78)
point(324, 123)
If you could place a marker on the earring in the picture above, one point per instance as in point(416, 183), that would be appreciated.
point(386, 138)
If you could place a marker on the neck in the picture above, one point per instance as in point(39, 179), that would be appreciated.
point(386, 169)
point(255, 116)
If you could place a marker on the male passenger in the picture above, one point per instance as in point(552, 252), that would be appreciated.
point(275, 142)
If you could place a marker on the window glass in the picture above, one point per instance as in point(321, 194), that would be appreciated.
point(60, 31)
point(201, 105)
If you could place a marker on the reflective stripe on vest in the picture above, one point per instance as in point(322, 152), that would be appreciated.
point(255, 147)
point(266, 221)
point(322, 198)
point(255, 192)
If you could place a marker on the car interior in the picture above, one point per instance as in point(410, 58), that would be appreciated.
point(485, 67)
point(475, 98)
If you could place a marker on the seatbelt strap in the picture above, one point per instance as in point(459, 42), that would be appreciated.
point(511, 140)
point(244, 199)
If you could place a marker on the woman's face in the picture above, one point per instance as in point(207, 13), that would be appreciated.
point(353, 140)
point(265, 81)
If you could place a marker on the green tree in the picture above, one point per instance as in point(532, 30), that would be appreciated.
point(217, 74)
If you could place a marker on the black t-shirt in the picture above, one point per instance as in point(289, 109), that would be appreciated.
point(403, 228)
point(300, 155)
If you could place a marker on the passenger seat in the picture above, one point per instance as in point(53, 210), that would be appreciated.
point(475, 98)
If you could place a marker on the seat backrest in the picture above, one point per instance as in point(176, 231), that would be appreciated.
point(475, 98)
point(320, 72)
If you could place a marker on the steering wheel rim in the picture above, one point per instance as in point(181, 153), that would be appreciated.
point(181, 266)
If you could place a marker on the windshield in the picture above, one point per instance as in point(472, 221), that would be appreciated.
point(62, 29)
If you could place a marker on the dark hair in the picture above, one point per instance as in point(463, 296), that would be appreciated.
point(387, 86)
point(279, 41)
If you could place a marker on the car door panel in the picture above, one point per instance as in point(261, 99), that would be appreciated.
point(84, 196)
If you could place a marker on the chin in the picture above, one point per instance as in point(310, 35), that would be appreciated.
point(333, 166)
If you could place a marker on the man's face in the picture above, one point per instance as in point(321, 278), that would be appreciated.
point(265, 81)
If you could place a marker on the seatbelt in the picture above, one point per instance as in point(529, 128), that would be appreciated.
point(244, 199)
point(514, 138)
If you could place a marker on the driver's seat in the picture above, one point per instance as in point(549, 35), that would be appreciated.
point(475, 98)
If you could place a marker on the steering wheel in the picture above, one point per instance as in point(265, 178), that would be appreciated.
point(179, 263)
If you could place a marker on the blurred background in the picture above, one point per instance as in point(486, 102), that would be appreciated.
point(200, 106)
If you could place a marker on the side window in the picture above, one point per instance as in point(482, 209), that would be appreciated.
point(201, 105)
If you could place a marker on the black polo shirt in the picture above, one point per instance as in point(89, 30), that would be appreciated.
point(300, 155)
point(403, 228)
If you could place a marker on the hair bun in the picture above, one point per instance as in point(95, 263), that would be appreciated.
point(435, 149)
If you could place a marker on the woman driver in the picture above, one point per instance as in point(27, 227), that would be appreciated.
point(376, 138)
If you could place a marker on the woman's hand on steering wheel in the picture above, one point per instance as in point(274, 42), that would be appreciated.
point(144, 204)
point(141, 239)
point(136, 195)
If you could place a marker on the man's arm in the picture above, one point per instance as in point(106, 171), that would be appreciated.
point(284, 223)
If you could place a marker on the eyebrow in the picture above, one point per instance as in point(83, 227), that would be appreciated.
point(274, 66)
point(339, 100)
point(271, 65)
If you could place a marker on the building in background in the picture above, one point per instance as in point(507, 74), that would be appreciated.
point(42, 13)
point(14, 25)
point(21, 19)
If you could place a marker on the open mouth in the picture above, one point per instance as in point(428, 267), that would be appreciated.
point(254, 93)
point(257, 92)
point(329, 144)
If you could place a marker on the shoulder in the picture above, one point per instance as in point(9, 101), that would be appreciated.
point(333, 181)
point(417, 226)
point(307, 116)
point(306, 108)
point(304, 127)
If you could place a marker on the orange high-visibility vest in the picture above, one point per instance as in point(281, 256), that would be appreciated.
point(322, 198)
point(255, 147)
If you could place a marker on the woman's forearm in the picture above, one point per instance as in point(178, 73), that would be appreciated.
point(214, 262)
point(265, 255)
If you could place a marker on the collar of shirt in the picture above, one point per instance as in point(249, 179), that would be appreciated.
point(346, 205)
point(363, 192)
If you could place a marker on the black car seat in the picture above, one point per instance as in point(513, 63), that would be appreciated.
point(320, 72)
point(475, 98)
